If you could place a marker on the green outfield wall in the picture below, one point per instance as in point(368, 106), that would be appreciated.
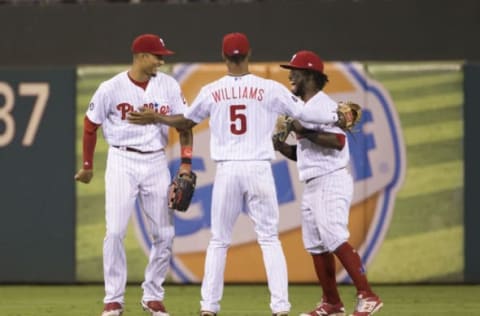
point(472, 172)
point(37, 194)
point(52, 229)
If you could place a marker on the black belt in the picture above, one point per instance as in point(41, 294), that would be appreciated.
point(136, 150)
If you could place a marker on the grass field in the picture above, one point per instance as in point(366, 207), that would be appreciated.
point(425, 238)
point(183, 300)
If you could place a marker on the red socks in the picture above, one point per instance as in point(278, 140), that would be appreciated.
point(353, 265)
point(325, 268)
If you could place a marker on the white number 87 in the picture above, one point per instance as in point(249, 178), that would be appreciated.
point(42, 91)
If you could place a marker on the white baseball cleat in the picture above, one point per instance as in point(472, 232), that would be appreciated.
point(155, 308)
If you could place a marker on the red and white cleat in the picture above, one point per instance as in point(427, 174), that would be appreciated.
point(112, 309)
point(367, 306)
point(155, 308)
point(326, 309)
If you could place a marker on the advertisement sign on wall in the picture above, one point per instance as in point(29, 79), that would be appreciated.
point(377, 165)
point(406, 160)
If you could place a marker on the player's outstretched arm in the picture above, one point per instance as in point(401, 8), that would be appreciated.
point(150, 117)
point(325, 139)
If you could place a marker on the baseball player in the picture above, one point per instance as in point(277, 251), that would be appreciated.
point(243, 109)
point(136, 169)
point(322, 156)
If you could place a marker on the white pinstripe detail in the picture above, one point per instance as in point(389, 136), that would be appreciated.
point(132, 175)
point(242, 112)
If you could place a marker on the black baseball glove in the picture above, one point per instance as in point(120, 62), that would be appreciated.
point(181, 191)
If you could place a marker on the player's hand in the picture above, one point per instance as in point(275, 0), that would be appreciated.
point(185, 168)
point(277, 144)
point(84, 175)
point(297, 127)
point(143, 117)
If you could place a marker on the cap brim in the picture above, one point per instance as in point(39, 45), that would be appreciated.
point(163, 52)
point(288, 66)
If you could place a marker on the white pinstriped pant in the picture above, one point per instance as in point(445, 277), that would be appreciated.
point(325, 209)
point(130, 175)
point(249, 185)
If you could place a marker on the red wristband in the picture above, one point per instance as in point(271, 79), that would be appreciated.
point(186, 154)
point(341, 139)
point(186, 151)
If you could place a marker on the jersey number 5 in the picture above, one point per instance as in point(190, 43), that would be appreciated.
point(238, 119)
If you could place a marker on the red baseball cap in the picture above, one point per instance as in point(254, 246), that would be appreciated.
point(235, 44)
point(150, 43)
point(305, 59)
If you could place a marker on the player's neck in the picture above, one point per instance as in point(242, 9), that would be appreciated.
point(309, 93)
point(238, 74)
point(238, 69)
point(138, 75)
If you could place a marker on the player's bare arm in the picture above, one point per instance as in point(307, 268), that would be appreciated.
point(178, 121)
point(298, 128)
point(287, 150)
point(325, 139)
point(150, 117)
point(186, 148)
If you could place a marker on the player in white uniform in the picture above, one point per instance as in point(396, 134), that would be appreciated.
point(322, 156)
point(243, 109)
point(136, 168)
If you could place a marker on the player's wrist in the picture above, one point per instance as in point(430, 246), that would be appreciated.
point(186, 154)
point(185, 168)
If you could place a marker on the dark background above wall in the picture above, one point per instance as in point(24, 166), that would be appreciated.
point(380, 30)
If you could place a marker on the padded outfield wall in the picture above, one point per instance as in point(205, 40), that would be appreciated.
point(407, 213)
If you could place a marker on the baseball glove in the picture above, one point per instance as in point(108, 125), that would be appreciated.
point(283, 127)
point(349, 114)
point(181, 191)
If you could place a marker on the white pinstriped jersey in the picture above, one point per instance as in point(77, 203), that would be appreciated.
point(117, 96)
point(314, 160)
point(319, 115)
point(243, 111)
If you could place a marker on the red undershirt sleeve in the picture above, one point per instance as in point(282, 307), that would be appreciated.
point(341, 139)
point(89, 142)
